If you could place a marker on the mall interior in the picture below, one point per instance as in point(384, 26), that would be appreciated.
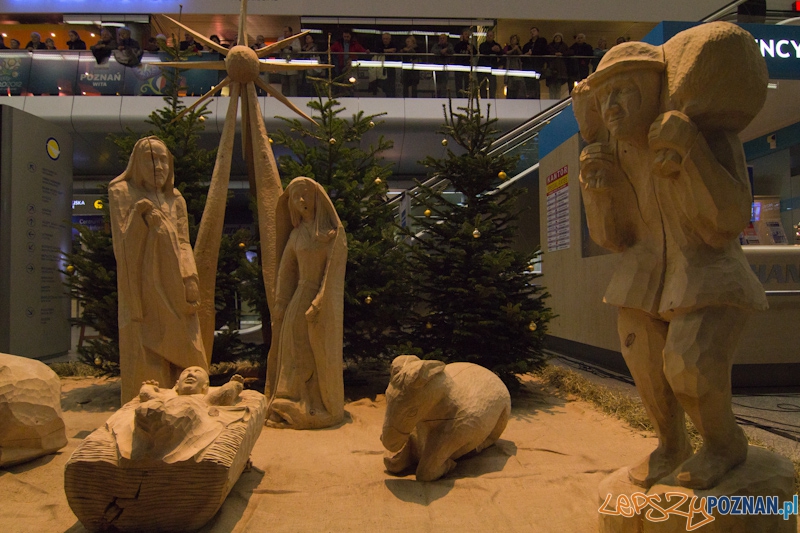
point(88, 100)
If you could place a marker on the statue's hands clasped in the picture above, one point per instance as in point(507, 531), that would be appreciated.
point(148, 211)
point(671, 135)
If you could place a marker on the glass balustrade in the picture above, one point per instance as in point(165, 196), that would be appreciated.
point(59, 72)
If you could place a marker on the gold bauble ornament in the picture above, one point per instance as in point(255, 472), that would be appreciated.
point(476, 233)
point(532, 326)
point(270, 140)
point(332, 141)
point(98, 361)
point(531, 268)
point(429, 325)
point(444, 142)
point(70, 269)
point(201, 119)
point(378, 181)
point(368, 299)
point(502, 175)
point(371, 124)
point(427, 213)
point(242, 245)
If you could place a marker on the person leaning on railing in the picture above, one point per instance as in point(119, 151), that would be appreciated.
point(74, 41)
point(410, 77)
point(442, 52)
point(533, 51)
point(515, 85)
point(386, 80)
point(490, 56)
point(556, 68)
point(35, 43)
point(342, 50)
point(582, 54)
point(308, 52)
point(464, 51)
point(107, 44)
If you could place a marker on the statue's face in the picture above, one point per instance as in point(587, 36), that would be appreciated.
point(193, 380)
point(160, 164)
point(629, 102)
point(303, 198)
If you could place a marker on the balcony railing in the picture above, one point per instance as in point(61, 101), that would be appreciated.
point(45, 72)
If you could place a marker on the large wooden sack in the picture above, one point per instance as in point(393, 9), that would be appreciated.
point(111, 485)
point(716, 76)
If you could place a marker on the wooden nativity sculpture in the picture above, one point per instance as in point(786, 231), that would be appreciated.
point(664, 183)
point(305, 384)
point(157, 283)
point(168, 458)
point(436, 413)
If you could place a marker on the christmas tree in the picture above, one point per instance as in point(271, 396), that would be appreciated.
point(92, 266)
point(355, 178)
point(478, 300)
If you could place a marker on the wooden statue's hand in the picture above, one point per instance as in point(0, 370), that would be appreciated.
point(312, 313)
point(148, 390)
point(144, 206)
point(667, 164)
point(153, 218)
point(590, 121)
point(598, 167)
point(192, 291)
point(671, 136)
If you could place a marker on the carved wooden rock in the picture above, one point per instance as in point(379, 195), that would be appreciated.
point(137, 474)
point(436, 413)
point(30, 410)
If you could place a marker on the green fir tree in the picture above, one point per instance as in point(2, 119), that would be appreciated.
point(355, 177)
point(478, 298)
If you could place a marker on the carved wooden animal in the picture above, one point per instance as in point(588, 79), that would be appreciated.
point(30, 410)
point(436, 413)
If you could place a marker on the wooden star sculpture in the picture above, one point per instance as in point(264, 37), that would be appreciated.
point(243, 68)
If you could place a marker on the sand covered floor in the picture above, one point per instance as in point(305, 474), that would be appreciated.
point(542, 476)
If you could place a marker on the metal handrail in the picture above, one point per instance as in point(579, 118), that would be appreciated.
point(723, 11)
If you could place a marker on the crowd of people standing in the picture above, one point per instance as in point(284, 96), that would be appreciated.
point(524, 64)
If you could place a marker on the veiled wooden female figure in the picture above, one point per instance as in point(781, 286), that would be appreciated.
point(159, 333)
point(304, 368)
